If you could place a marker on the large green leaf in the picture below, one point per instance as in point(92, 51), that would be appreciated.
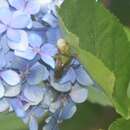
point(120, 124)
point(101, 36)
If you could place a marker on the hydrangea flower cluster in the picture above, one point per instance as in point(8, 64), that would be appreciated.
point(34, 81)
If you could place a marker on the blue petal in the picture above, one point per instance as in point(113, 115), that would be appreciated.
point(18, 4)
point(50, 19)
point(33, 123)
point(10, 77)
point(61, 87)
point(32, 7)
point(20, 64)
point(34, 94)
point(48, 60)
point(82, 77)
point(48, 98)
point(38, 112)
point(2, 89)
point(53, 34)
point(4, 105)
point(35, 40)
point(4, 3)
point(78, 94)
point(3, 61)
point(3, 44)
point(9, 59)
point(22, 45)
point(28, 54)
point(49, 49)
point(2, 28)
point(13, 35)
point(37, 74)
point(5, 15)
point(18, 107)
point(12, 91)
point(70, 76)
point(68, 111)
point(20, 20)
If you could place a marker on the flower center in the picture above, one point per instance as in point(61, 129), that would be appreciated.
point(36, 50)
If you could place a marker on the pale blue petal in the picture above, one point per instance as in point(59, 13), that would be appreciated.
point(33, 123)
point(68, 111)
point(30, 24)
point(38, 112)
point(44, 2)
point(61, 87)
point(10, 77)
point(4, 44)
point(32, 7)
point(34, 94)
point(20, 20)
point(69, 76)
point(49, 49)
point(4, 3)
point(78, 94)
point(9, 58)
point(4, 105)
point(37, 74)
point(82, 77)
point(20, 64)
point(50, 19)
point(18, 4)
point(28, 54)
point(48, 99)
point(22, 45)
point(35, 40)
point(5, 15)
point(13, 35)
point(37, 25)
point(12, 91)
point(2, 89)
point(48, 60)
point(18, 107)
point(2, 28)
point(3, 61)
point(53, 34)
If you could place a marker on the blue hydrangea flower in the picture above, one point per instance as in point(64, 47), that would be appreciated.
point(36, 47)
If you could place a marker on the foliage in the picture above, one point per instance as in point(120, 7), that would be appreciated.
point(101, 36)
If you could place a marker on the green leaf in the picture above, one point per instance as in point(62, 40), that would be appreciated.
point(9, 121)
point(103, 48)
point(120, 124)
point(96, 95)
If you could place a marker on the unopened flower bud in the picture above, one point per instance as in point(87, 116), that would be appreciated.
point(62, 46)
